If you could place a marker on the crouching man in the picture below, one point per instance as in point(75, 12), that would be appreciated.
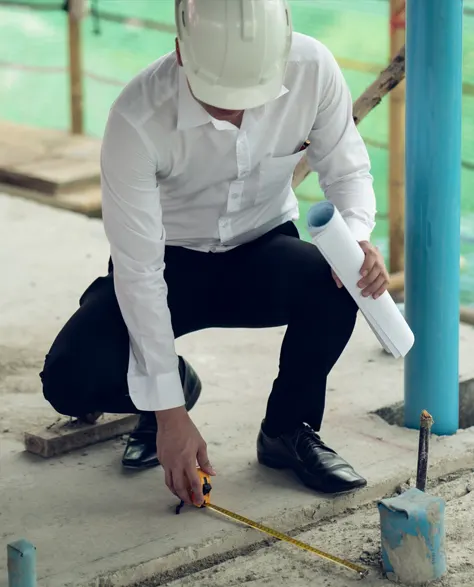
point(197, 163)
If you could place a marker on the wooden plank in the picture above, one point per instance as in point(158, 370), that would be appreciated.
point(66, 435)
point(52, 175)
point(29, 143)
point(48, 161)
point(19, 143)
point(87, 201)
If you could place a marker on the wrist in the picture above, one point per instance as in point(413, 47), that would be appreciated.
point(164, 417)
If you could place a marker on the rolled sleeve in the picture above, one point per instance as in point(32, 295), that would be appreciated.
point(359, 228)
point(338, 153)
point(155, 393)
point(132, 219)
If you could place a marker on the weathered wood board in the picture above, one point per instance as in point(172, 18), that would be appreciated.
point(67, 435)
point(48, 161)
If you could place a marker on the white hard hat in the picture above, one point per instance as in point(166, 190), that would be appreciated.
point(234, 52)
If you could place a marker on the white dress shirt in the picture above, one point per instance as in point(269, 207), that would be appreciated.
point(172, 174)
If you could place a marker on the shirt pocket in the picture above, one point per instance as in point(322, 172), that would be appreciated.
point(276, 175)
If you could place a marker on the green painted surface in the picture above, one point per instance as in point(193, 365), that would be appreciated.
point(34, 85)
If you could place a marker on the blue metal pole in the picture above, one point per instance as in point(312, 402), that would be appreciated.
point(21, 557)
point(433, 205)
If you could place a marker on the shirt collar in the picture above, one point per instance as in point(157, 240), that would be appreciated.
point(257, 113)
point(191, 114)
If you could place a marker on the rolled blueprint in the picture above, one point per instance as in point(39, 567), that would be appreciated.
point(341, 250)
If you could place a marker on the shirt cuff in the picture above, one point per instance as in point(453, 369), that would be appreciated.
point(359, 229)
point(156, 393)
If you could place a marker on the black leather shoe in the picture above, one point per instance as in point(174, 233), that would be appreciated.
point(140, 452)
point(318, 466)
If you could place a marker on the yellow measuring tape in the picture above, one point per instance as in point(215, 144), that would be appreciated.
point(361, 571)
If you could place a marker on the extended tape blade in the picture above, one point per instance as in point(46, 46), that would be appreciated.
point(362, 572)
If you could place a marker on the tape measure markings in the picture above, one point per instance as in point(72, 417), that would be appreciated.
point(362, 572)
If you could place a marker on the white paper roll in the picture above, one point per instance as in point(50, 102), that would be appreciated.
point(341, 250)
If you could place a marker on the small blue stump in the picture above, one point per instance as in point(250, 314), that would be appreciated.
point(21, 564)
point(413, 537)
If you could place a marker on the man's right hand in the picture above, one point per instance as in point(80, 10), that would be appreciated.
point(180, 449)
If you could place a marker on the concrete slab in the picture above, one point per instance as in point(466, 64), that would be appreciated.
point(86, 516)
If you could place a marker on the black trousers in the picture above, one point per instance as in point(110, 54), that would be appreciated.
point(273, 281)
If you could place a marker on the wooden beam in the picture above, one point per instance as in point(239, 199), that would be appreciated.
point(66, 435)
point(397, 145)
point(75, 14)
point(373, 95)
point(397, 282)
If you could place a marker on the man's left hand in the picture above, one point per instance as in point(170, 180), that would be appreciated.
point(375, 276)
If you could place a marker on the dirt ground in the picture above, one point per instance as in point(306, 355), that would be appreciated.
point(355, 537)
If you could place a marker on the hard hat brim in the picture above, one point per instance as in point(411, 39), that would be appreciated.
point(236, 98)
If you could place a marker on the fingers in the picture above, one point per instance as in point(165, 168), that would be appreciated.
point(194, 482)
point(169, 481)
point(377, 287)
point(183, 485)
point(381, 289)
point(203, 461)
point(369, 261)
point(186, 485)
point(179, 446)
point(374, 274)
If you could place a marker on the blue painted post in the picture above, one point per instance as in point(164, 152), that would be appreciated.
point(21, 557)
point(413, 537)
point(432, 214)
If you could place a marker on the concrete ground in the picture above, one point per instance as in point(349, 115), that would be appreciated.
point(355, 537)
point(94, 525)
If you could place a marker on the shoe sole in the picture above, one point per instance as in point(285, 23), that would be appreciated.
point(308, 480)
point(141, 466)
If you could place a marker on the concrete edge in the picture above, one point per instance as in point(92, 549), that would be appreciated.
point(241, 541)
point(393, 414)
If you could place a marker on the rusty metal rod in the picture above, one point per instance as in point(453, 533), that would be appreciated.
point(426, 422)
